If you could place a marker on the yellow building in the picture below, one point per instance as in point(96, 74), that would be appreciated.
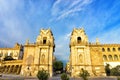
point(11, 66)
point(32, 57)
point(91, 56)
point(37, 56)
point(68, 67)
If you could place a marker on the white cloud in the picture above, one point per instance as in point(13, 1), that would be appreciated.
point(108, 37)
point(62, 9)
point(66, 14)
point(111, 36)
point(13, 24)
point(67, 36)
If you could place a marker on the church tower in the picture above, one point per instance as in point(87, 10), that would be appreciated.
point(39, 55)
point(79, 52)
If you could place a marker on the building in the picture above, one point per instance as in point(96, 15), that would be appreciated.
point(91, 56)
point(11, 66)
point(29, 58)
point(37, 56)
point(67, 67)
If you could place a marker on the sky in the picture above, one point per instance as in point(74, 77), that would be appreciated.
point(22, 19)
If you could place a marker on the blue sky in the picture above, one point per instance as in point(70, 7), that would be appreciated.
point(23, 19)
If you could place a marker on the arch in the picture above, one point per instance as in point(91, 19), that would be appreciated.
point(1, 54)
point(19, 69)
point(103, 49)
point(4, 68)
point(11, 69)
point(108, 49)
point(119, 49)
point(79, 39)
point(110, 57)
point(6, 54)
point(80, 58)
point(115, 57)
point(8, 68)
point(114, 49)
point(104, 57)
point(11, 54)
point(15, 68)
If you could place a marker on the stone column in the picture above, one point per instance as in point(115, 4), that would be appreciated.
point(9, 70)
point(14, 69)
point(4, 69)
point(19, 69)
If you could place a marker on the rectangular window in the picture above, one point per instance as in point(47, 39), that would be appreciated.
point(44, 41)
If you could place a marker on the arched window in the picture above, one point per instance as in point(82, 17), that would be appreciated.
point(119, 49)
point(11, 54)
point(108, 49)
point(78, 39)
point(44, 40)
point(110, 57)
point(103, 49)
point(115, 57)
point(6, 54)
point(113, 49)
point(80, 58)
point(104, 57)
point(1, 54)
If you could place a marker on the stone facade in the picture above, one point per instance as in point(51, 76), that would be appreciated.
point(79, 52)
point(16, 52)
point(39, 55)
point(11, 66)
point(32, 57)
point(91, 56)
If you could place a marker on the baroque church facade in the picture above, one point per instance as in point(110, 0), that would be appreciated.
point(32, 57)
point(36, 56)
point(91, 56)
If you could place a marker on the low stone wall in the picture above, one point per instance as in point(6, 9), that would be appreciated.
point(103, 78)
point(97, 78)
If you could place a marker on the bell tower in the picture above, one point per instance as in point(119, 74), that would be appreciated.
point(39, 55)
point(79, 52)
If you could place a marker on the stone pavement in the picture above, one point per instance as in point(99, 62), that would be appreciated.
point(18, 77)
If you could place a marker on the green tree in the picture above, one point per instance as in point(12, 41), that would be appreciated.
point(84, 74)
point(115, 71)
point(42, 75)
point(64, 76)
point(107, 69)
point(58, 66)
